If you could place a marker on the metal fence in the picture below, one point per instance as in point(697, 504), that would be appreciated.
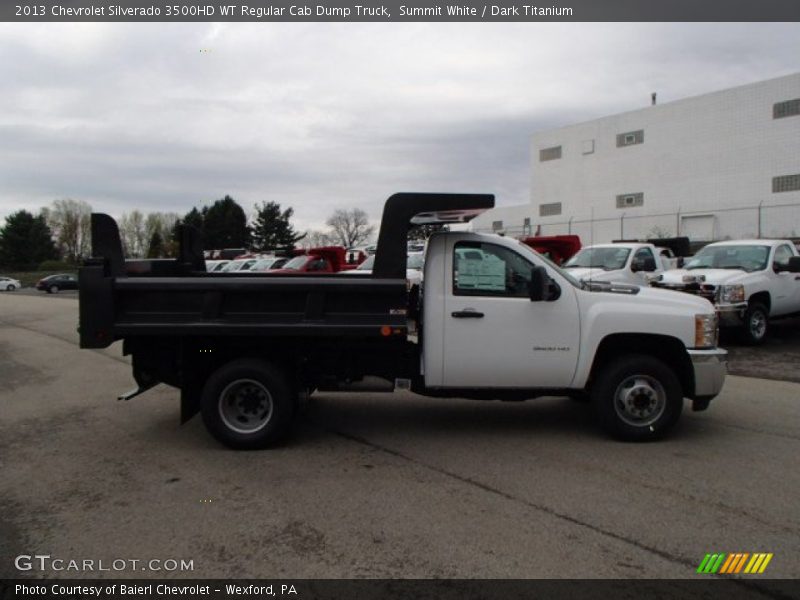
point(756, 221)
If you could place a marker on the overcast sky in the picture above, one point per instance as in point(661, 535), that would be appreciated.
point(322, 116)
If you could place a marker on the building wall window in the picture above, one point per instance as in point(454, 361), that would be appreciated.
point(497, 225)
point(630, 200)
point(550, 209)
point(786, 183)
point(789, 108)
point(549, 153)
point(630, 138)
point(588, 146)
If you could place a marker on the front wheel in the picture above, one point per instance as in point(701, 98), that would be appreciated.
point(11, 287)
point(248, 404)
point(53, 289)
point(756, 317)
point(637, 398)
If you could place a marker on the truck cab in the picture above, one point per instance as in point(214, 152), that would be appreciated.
point(630, 263)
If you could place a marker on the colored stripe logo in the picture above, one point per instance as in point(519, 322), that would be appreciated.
point(735, 562)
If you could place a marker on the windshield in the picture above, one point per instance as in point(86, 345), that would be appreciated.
point(263, 264)
point(367, 264)
point(606, 258)
point(746, 258)
point(296, 263)
point(234, 265)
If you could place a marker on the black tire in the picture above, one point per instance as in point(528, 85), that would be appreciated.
point(756, 323)
point(53, 289)
point(247, 404)
point(637, 398)
point(11, 287)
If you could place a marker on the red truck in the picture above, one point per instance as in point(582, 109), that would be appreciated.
point(558, 248)
point(326, 259)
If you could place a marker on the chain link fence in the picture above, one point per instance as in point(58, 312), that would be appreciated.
point(756, 221)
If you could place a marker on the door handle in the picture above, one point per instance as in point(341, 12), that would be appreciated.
point(467, 314)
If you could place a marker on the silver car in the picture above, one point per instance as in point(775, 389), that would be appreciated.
point(9, 285)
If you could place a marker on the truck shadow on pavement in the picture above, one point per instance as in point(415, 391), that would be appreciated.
point(459, 420)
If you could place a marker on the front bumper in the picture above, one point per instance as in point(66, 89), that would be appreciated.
point(710, 368)
point(731, 315)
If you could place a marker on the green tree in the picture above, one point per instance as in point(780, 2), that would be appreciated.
point(225, 225)
point(26, 241)
point(272, 228)
point(195, 218)
point(155, 248)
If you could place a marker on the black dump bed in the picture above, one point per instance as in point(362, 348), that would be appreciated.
point(177, 297)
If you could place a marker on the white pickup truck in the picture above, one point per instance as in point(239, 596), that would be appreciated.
point(633, 263)
point(494, 320)
point(748, 281)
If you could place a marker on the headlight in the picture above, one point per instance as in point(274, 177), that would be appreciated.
point(731, 294)
point(706, 331)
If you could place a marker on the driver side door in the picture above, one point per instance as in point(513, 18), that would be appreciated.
point(494, 335)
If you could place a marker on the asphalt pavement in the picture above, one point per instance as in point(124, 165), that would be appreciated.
point(376, 485)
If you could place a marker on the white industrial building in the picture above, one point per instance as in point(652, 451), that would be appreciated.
point(723, 165)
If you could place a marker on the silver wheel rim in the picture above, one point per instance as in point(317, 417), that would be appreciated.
point(54, 289)
point(758, 324)
point(640, 400)
point(245, 406)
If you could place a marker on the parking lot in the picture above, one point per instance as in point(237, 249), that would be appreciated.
point(384, 485)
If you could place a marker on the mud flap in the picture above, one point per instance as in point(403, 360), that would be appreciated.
point(190, 401)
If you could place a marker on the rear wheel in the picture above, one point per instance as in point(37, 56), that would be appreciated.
point(53, 289)
point(248, 404)
point(756, 317)
point(637, 398)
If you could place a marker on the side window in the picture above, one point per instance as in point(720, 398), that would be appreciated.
point(488, 270)
point(318, 265)
point(644, 260)
point(782, 255)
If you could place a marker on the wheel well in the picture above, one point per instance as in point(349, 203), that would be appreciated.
point(668, 349)
point(763, 298)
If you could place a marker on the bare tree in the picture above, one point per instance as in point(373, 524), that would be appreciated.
point(70, 221)
point(350, 227)
point(315, 239)
point(133, 232)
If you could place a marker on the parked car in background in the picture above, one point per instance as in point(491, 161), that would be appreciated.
point(749, 281)
point(239, 264)
point(9, 285)
point(268, 263)
point(55, 283)
point(325, 259)
point(216, 265)
point(414, 265)
point(631, 263)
